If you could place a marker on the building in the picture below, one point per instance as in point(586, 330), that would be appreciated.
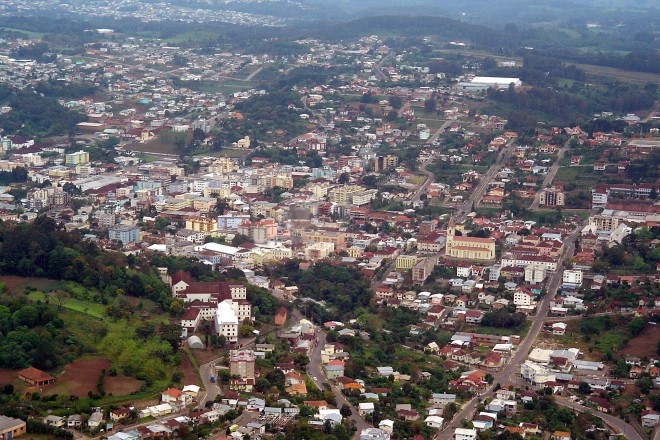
point(536, 374)
point(465, 434)
point(468, 248)
point(553, 196)
point(77, 158)
point(374, 434)
point(482, 83)
point(534, 273)
point(344, 194)
point(226, 322)
point(260, 231)
point(125, 234)
point(11, 427)
point(241, 363)
point(406, 262)
point(572, 278)
point(35, 377)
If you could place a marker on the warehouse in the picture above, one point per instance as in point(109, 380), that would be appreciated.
point(480, 83)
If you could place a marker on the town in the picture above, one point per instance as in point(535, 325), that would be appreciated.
point(363, 252)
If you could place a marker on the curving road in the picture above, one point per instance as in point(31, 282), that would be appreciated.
point(615, 423)
point(512, 368)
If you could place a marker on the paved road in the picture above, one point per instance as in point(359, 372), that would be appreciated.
point(315, 370)
point(484, 183)
point(430, 177)
point(512, 368)
point(550, 176)
point(614, 422)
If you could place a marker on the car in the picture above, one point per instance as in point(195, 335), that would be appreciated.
point(315, 378)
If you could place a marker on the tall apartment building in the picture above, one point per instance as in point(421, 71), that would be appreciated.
point(76, 158)
point(553, 196)
point(261, 231)
point(241, 363)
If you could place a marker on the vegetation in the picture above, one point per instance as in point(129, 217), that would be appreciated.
point(33, 114)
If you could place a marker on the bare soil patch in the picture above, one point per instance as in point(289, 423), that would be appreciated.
point(7, 376)
point(16, 284)
point(81, 376)
point(189, 376)
point(643, 345)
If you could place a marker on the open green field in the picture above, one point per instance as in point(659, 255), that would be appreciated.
point(29, 34)
point(87, 307)
point(192, 36)
point(572, 174)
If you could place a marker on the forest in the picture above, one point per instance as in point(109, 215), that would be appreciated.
point(45, 249)
point(34, 114)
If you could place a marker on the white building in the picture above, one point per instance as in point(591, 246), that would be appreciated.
point(572, 278)
point(523, 298)
point(481, 83)
point(465, 434)
point(536, 374)
point(535, 273)
point(226, 322)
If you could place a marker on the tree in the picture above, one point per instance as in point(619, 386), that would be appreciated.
point(584, 388)
point(345, 411)
point(343, 178)
point(636, 326)
point(239, 239)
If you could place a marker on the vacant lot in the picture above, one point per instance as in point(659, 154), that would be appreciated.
point(16, 284)
point(81, 376)
point(643, 345)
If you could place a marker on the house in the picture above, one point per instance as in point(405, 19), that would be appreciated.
point(56, 421)
point(11, 427)
point(601, 404)
point(74, 421)
point(95, 420)
point(120, 414)
point(650, 419)
point(434, 422)
point(465, 434)
point(35, 377)
point(365, 408)
point(442, 398)
point(561, 435)
point(386, 425)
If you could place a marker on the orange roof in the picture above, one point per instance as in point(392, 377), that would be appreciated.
point(172, 392)
point(35, 375)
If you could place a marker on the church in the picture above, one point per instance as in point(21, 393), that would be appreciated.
point(468, 248)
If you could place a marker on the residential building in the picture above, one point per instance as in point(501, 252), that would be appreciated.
point(124, 234)
point(465, 434)
point(79, 157)
point(553, 196)
point(241, 363)
point(11, 427)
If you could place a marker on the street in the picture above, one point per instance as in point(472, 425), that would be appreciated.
point(513, 366)
point(549, 177)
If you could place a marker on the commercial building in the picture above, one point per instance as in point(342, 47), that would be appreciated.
point(481, 83)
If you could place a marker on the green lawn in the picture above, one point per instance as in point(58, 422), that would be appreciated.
point(92, 309)
point(29, 34)
point(568, 174)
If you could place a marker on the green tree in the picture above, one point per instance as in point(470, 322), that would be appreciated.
point(636, 326)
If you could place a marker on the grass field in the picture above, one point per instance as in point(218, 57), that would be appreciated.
point(193, 36)
point(89, 308)
point(29, 34)
point(569, 174)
